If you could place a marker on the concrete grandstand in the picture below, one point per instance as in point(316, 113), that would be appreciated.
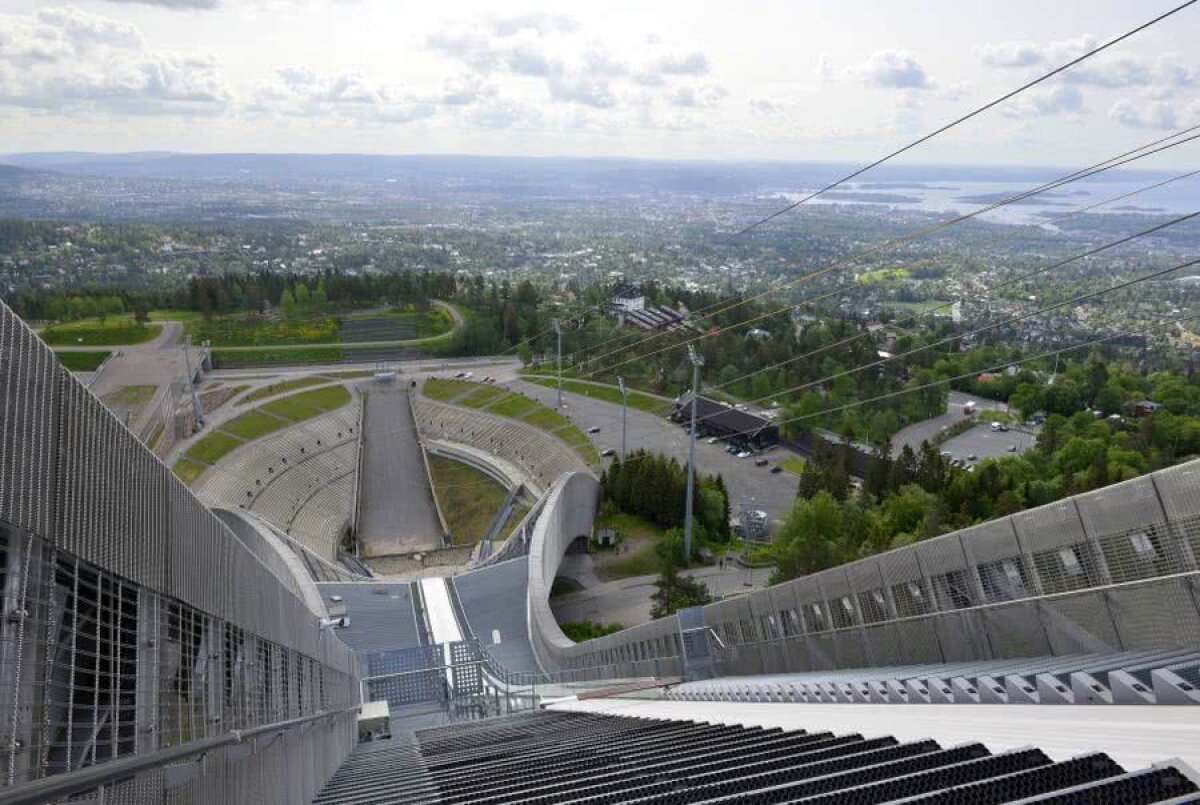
point(153, 651)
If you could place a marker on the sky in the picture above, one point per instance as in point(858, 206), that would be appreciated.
point(752, 79)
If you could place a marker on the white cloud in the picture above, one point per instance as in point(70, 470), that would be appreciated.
point(538, 22)
point(893, 69)
point(693, 63)
point(1156, 115)
point(67, 59)
point(697, 97)
point(172, 4)
point(582, 89)
point(766, 106)
point(1045, 102)
point(298, 91)
point(1105, 71)
point(1012, 54)
point(1029, 54)
point(503, 114)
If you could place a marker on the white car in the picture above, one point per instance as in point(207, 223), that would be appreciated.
point(713, 440)
point(468, 375)
point(744, 454)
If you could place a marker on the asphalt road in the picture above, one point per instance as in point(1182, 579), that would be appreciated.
point(927, 429)
point(773, 494)
point(980, 441)
point(398, 513)
point(627, 601)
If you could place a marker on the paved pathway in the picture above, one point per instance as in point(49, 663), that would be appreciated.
point(627, 601)
point(773, 493)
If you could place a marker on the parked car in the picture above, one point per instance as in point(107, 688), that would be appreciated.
point(776, 470)
point(762, 462)
point(744, 454)
point(468, 375)
point(1012, 448)
point(461, 374)
point(594, 429)
point(608, 452)
point(731, 449)
point(713, 440)
point(972, 457)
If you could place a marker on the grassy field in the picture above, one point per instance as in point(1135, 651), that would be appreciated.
point(501, 402)
point(251, 331)
point(280, 387)
point(114, 331)
point(794, 465)
point(231, 359)
point(81, 361)
point(637, 399)
point(469, 500)
point(437, 389)
point(883, 275)
point(174, 315)
point(188, 470)
point(256, 423)
point(213, 447)
point(637, 557)
point(130, 396)
point(308, 404)
point(252, 425)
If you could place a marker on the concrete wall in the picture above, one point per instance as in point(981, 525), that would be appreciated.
point(1110, 570)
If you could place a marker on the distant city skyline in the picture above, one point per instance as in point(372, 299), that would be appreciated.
point(820, 80)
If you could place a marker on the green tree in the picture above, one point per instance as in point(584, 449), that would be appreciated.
point(287, 303)
point(674, 591)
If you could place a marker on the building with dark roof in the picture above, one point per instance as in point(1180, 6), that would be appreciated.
point(716, 419)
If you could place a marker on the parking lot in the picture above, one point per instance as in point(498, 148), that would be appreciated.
point(982, 442)
point(773, 493)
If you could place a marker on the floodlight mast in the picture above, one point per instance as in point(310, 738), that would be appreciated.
point(697, 361)
point(624, 410)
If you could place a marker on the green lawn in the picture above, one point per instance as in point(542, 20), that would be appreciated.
point(637, 399)
point(279, 388)
point(236, 359)
point(793, 464)
point(469, 499)
point(130, 396)
point(481, 396)
point(81, 361)
point(308, 404)
point(174, 315)
point(256, 423)
point(247, 330)
point(252, 424)
point(638, 537)
point(114, 331)
point(515, 407)
point(503, 402)
point(436, 388)
point(213, 447)
point(188, 470)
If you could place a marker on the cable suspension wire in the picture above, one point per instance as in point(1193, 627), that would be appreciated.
point(978, 111)
point(950, 339)
point(999, 286)
point(1091, 171)
point(998, 367)
point(726, 305)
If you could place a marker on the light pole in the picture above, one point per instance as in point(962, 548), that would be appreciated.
point(558, 361)
point(197, 410)
point(697, 361)
point(624, 408)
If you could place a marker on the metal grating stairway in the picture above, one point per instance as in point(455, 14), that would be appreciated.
point(561, 757)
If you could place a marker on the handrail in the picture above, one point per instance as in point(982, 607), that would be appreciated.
point(88, 778)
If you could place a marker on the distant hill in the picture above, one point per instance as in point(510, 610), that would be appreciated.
point(522, 175)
